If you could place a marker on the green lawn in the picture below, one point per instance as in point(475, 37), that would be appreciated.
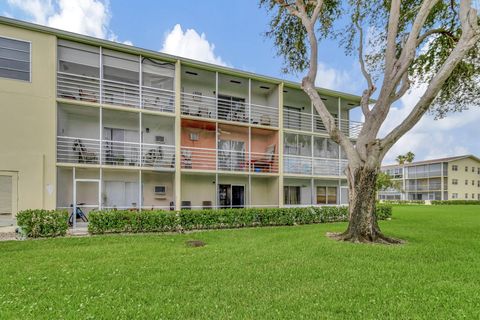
point(282, 272)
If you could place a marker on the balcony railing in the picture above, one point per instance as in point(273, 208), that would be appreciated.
point(313, 166)
point(114, 153)
point(84, 88)
point(313, 123)
point(228, 160)
point(430, 187)
point(213, 108)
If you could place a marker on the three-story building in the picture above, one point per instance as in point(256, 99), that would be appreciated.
point(92, 123)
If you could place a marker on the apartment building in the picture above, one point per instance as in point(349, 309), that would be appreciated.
point(90, 123)
point(454, 178)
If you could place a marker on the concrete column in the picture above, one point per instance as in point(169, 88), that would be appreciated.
point(178, 123)
point(280, 145)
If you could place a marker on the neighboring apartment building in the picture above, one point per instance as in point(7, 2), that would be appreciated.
point(99, 124)
point(438, 179)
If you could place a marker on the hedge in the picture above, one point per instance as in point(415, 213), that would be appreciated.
point(404, 201)
point(454, 202)
point(43, 223)
point(120, 221)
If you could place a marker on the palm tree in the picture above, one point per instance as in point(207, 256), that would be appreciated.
point(401, 159)
point(409, 157)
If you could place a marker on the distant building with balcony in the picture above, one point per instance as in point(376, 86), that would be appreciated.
point(453, 178)
point(94, 124)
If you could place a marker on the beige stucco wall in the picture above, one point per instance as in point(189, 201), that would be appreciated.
point(27, 123)
point(461, 175)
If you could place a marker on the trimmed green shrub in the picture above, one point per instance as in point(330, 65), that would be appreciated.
point(383, 211)
point(454, 202)
point(43, 223)
point(114, 221)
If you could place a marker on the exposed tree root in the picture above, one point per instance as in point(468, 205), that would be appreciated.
point(377, 238)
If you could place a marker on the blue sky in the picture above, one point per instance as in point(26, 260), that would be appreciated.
point(231, 33)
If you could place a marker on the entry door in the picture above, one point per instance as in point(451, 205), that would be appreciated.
point(238, 196)
point(8, 194)
point(225, 195)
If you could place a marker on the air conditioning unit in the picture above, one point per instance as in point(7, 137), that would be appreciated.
point(160, 139)
point(160, 190)
point(194, 136)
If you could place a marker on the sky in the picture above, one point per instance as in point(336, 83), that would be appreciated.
point(231, 33)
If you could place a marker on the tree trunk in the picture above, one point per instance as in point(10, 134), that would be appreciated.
point(363, 226)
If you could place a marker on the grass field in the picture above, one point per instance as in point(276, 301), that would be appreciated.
point(267, 273)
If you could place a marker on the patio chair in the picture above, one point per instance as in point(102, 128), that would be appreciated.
point(265, 163)
point(83, 155)
point(154, 157)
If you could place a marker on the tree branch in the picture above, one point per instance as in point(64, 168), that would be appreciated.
point(470, 36)
point(367, 93)
point(392, 33)
point(436, 31)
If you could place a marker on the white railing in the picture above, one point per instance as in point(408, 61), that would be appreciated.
point(198, 106)
point(158, 156)
point(77, 87)
point(303, 121)
point(114, 153)
point(313, 166)
point(158, 99)
point(210, 108)
point(120, 93)
point(264, 115)
point(198, 158)
point(297, 120)
point(84, 88)
point(297, 164)
point(228, 160)
point(78, 150)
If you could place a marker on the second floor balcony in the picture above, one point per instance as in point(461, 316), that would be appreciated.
point(312, 166)
point(75, 150)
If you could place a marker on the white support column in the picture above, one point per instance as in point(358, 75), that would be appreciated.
point(250, 101)
point(140, 139)
point(100, 134)
point(178, 128)
point(140, 196)
point(101, 76)
point(312, 161)
point(216, 146)
point(312, 190)
point(74, 212)
point(339, 117)
point(249, 190)
point(442, 184)
point(339, 192)
point(216, 95)
point(140, 83)
point(216, 191)
point(280, 144)
point(100, 190)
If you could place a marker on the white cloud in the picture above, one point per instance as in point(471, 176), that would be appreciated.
point(190, 44)
point(454, 135)
point(331, 78)
point(89, 17)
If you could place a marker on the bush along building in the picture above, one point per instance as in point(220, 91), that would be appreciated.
point(88, 123)
point(454, 178)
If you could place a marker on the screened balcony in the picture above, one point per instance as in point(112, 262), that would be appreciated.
point(88, 74)
point(299, 114)
point(222, 147)
point(209, 95)
point(115, 140)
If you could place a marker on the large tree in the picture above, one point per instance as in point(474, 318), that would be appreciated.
point(432, 42)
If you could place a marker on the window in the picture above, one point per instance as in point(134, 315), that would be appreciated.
point(454, 167)
point(478, 196)
point(466, 195)
point(326, 195)
point(297, 144)
point(473, 182)
point(14, 59)
point(454, 195)
point(473, 169)
point(466, 169)
point(291, 194)
point(478, 170)
point(478, 183)
point(454, 181)
point(473, 196)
